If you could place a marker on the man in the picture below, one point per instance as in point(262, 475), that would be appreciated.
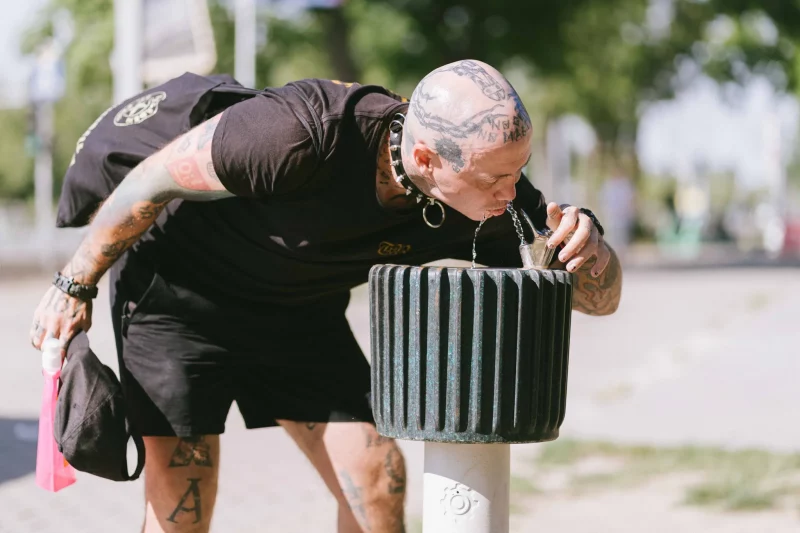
point(243, 298)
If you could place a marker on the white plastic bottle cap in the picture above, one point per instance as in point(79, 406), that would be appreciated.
point(51, 355)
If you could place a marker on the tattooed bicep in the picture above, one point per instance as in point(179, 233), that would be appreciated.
point(188, 159)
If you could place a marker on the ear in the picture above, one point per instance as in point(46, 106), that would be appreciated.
point(424, 158)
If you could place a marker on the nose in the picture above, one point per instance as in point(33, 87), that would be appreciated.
point(507, 191)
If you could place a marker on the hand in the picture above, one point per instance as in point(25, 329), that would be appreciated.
point(581, 237)
point(61, 316)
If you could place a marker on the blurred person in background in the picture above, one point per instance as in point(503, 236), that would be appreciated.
point(618, 198)
point(233, 249)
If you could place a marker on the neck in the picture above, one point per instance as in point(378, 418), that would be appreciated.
point(391, 194)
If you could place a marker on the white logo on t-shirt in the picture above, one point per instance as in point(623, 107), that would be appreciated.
point(139, 110)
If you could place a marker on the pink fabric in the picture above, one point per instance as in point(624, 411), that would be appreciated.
point(53, 473)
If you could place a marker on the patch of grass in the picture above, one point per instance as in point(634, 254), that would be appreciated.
point(566, 451)
point(734, 480)
point(733, 496)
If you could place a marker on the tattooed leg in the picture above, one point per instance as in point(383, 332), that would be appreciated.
point(372, 475)
point(180, 483)
point(364, 471)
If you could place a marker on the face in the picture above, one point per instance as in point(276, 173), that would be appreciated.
point(485, 184)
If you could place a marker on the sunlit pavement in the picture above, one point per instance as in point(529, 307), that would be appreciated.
point(700, 356)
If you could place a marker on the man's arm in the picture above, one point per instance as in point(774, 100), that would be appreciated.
point(600, 295)
point(182, 169)
point(598, 275)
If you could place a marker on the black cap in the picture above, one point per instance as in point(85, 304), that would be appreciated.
point(91, 428)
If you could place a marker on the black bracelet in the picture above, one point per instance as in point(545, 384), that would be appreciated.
point(589, 214)
point(68, 286)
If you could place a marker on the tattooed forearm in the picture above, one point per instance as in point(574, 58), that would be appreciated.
point(191, 450)
point(601, 295)
point(183, 169)
point(194, 492)
point(115, 228)
point(115, 249)
point(150, 209)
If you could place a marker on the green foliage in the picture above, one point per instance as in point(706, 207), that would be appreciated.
point(596, 58)
point(736, 480)
point(89, 79)
point(16, 167)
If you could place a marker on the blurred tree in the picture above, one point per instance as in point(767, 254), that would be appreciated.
point(336, 31)
point(16, 167)
point(761, 35)
point(598, 58)
point(89, 79)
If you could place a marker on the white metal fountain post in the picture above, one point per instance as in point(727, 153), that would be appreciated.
point(466, 488)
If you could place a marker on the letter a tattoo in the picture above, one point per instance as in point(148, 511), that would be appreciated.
point(194, 490)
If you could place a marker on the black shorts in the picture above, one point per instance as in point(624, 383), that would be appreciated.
point(184, 359)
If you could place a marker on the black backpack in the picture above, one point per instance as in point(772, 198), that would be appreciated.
point(128, 133)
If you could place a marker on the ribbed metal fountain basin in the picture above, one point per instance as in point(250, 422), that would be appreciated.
point(469, 355)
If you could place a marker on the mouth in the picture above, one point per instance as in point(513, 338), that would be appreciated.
point(496, 212)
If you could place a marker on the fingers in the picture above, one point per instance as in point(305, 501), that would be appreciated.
point(582, 236)
point(39, 328)
point(589, 236)
point(581, 239)
point(603, 258)
point(568, 220)
point(69, 332)
point(39, 336)
point(553, 216)
point(59, 316)
point(36, 334)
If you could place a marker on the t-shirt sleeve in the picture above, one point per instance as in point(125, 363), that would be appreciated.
point(502, 250)
point(262, 147)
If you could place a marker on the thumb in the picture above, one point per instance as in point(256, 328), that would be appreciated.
point(554, 215)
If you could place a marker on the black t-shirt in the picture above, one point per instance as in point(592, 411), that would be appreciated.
point(306, 222)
